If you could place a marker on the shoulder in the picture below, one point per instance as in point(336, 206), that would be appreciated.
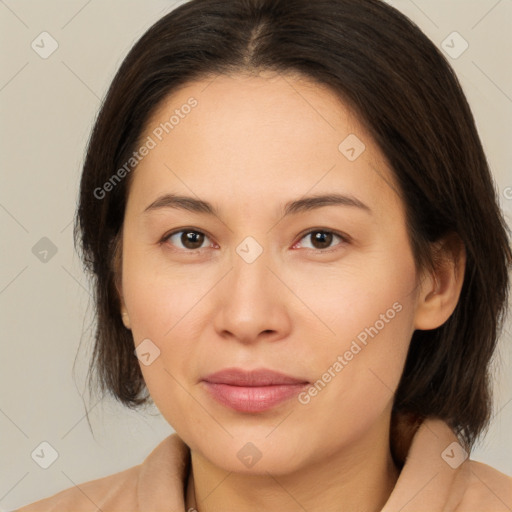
point(117, 490)
point(156, 484)
point(487, 489)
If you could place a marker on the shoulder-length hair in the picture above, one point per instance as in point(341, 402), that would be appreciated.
point(404, 91)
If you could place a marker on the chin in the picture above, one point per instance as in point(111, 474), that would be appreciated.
point(259, 460)
point(256, 451)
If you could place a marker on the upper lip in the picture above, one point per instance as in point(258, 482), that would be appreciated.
point(260, 377)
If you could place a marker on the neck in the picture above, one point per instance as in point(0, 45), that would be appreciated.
point(358, 478)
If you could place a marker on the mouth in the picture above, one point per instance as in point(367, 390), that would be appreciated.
point(252, 391)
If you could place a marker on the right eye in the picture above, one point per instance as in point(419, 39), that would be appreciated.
point(190, 239)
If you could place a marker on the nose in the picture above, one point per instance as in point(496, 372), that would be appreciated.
point(252, 302)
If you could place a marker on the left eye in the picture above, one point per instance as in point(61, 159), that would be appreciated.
point(322, 240)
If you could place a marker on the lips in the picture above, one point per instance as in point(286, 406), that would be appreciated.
point(252, 391)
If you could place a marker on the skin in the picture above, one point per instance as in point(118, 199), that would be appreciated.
point(252, 144)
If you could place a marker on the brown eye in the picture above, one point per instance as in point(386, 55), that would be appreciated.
point(322, 240)
point(189, 239)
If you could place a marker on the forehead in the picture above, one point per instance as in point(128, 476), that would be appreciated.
point(259, 136)
point(274, 109)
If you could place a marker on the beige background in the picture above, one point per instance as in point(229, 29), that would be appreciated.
point(47, 109)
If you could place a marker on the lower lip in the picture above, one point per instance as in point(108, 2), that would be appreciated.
point(253, 399)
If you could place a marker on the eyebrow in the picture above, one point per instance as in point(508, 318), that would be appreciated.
point(301, 205)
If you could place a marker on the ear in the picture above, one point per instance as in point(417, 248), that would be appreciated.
point(117, 262)
point(124, 315)
point(440, 288)
point(126, 320)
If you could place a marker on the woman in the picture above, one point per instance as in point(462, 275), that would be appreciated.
point(299, 260)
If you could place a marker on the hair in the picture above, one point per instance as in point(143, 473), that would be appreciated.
point(403, 90)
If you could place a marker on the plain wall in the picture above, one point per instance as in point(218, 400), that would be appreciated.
point(47, 110)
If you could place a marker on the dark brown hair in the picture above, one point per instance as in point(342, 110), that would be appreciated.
point(402, 88)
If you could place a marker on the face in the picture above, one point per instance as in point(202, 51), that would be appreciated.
point(308, 304)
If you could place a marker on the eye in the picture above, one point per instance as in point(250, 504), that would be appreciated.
point(193, 240)
point(322, 239)
point(190, 239)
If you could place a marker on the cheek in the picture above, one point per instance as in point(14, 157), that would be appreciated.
point(357, 376)
point(158, 309)
point(158, 296)
point(164, 305)
point(370, 310)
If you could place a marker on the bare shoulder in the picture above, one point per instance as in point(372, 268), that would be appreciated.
point(118, 490)
point(488, 490)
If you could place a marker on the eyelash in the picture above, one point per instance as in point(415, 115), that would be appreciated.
point(345, 239)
